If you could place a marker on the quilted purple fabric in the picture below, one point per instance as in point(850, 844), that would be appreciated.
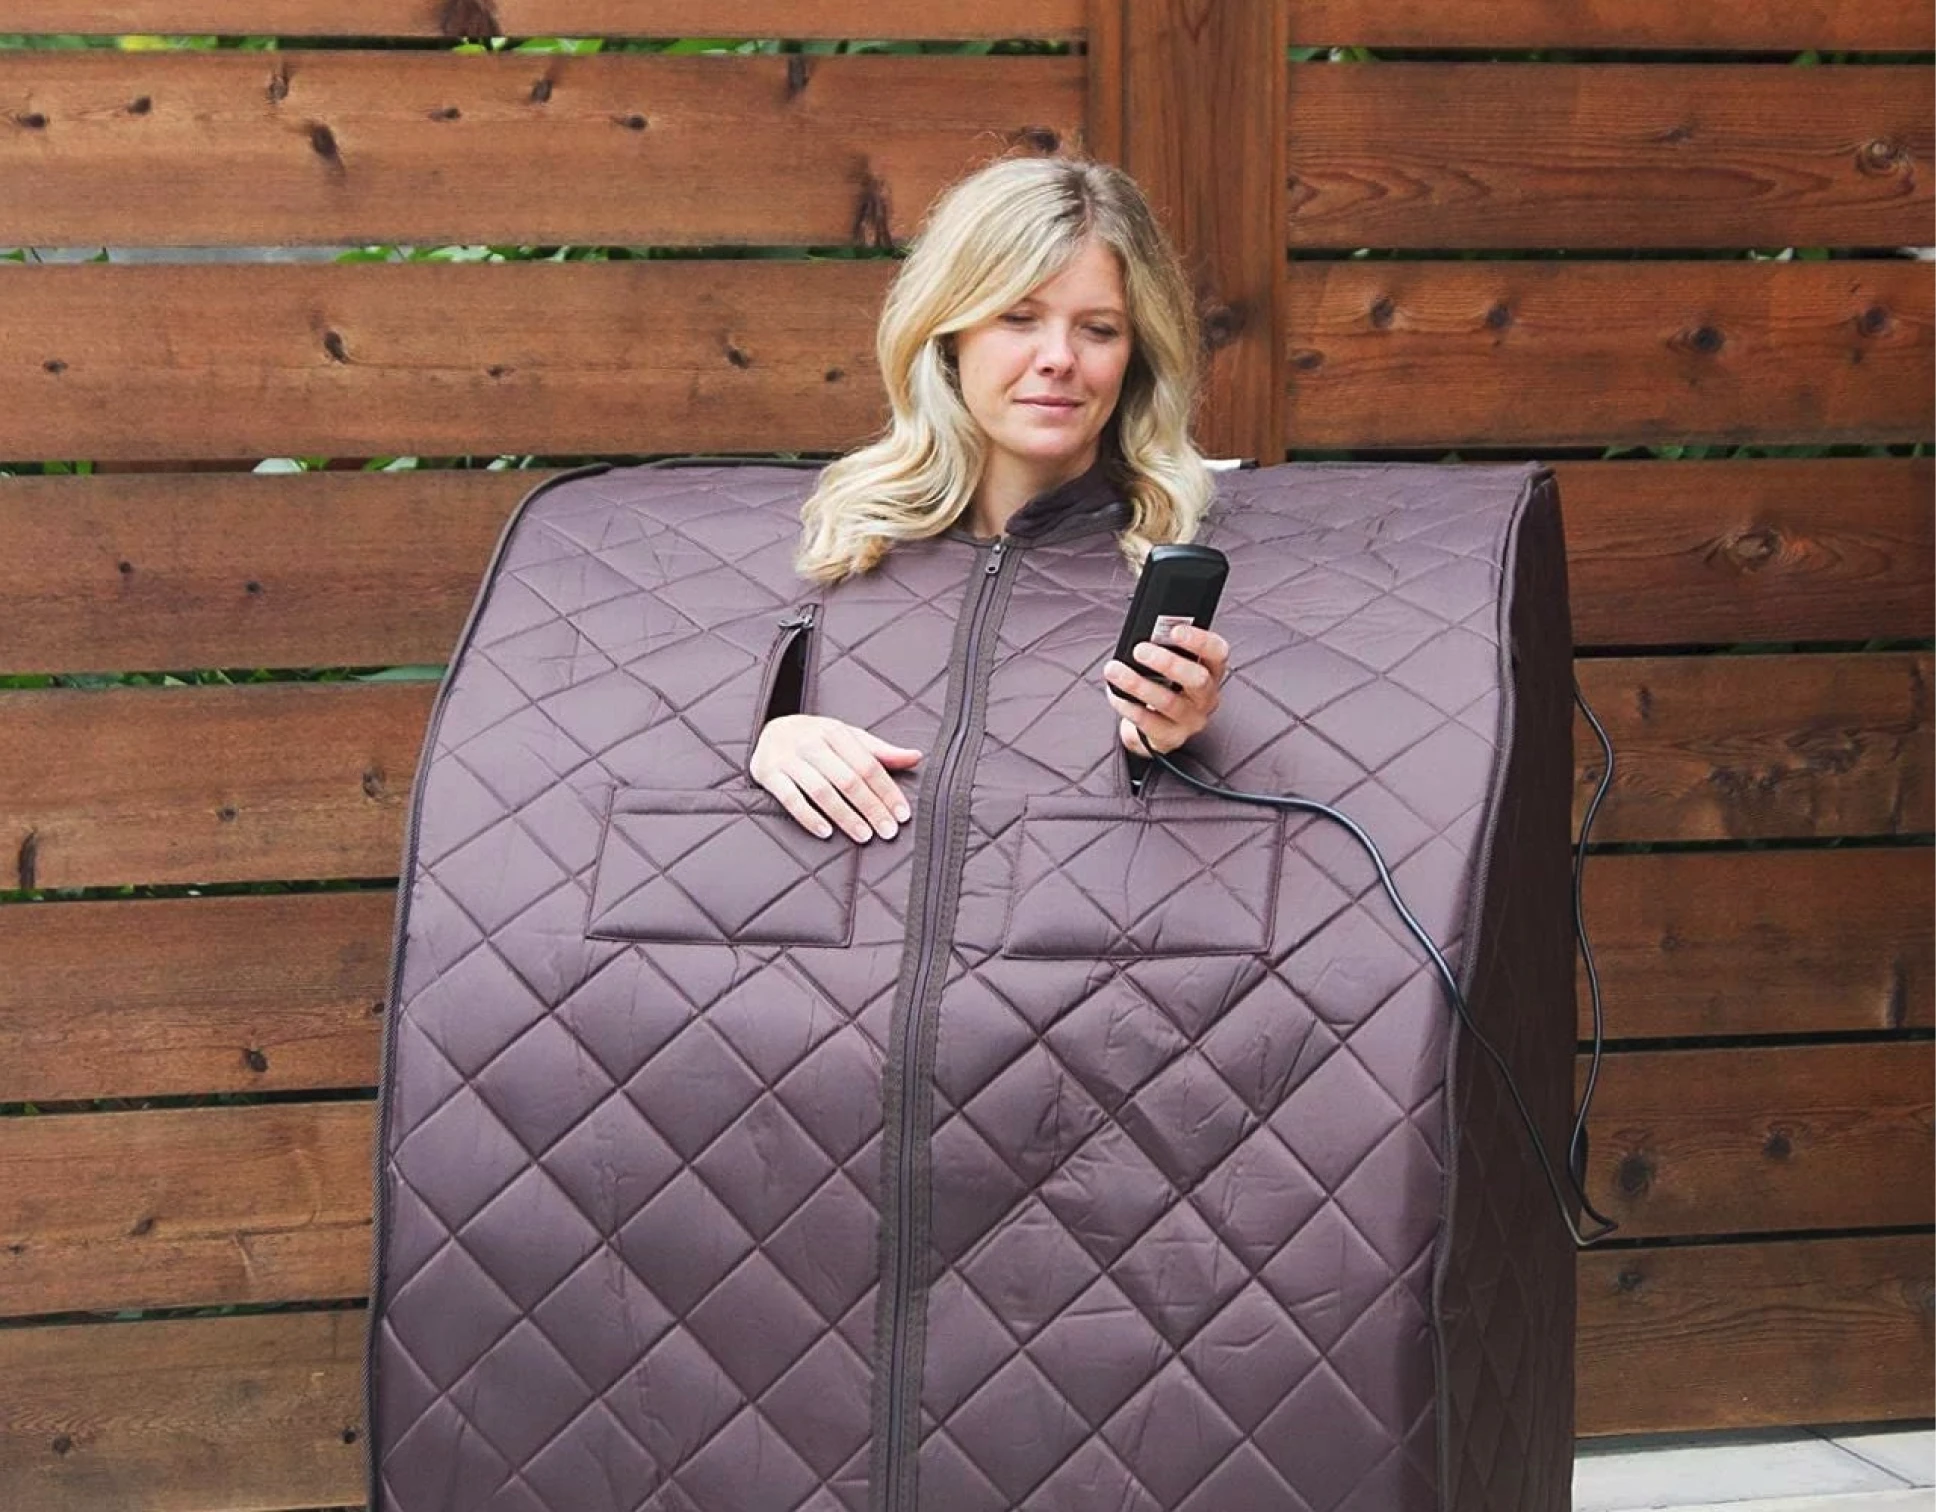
point(1075, 1150)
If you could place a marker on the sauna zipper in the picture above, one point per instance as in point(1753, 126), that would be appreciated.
point(896, 1461)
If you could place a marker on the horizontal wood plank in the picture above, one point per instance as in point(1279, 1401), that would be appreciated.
point(428, 148)
point(159, 997)
point(185, 1206)
point(423, 359)
point(1440, 155)
point(128, 572)
point(1706, 1142)
point(1760, 747)
point(124, 572)
point(1724, 25)
point(1809, 549)
point(1755, 1335)
point(148, 998)
point(310, 780)
point(197, 1415)
point(1564, 353)
point(939, 20)
point(1693, 944)
point(177, 785)
point(665, 356)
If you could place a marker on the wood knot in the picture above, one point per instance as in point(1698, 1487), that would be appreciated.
point(632, 122)
point(27, 862)
point(126, 569)
point(468, 18)
point(323, 141)
point(1873, 321)
point(541, 92)
point(142, 1226)
point(1221, 325)
point(33, 120)
point(496, 370)
point(333, 344)
point(63, 1444)
point(799, 72)
point(1040, 139)
point(447, 113)
point(1706, 340)
point(55, 366)
point(349, 1435)
point(278, 88)
point(252, 588)
point(872, 217)
point(1880, 157)
point(375, 782)
point(1753, 548)
point(1307, 359)
point(1499, 317)
point(255, 1060)
point(833, 375)
point(1777, 1146)
point(1630, 1280)
point(1383, 311)
point(140, 105)
point(1634, 1175)
point(738, 357)
point(226, 813)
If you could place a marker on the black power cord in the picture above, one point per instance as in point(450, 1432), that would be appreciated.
point(1576, 1147)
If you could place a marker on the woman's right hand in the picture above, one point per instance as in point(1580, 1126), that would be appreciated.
point(822, 769)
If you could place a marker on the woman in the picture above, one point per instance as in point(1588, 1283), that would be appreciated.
point(1039, 337)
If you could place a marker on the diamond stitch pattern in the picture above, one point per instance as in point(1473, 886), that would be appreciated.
point(1214, 1182)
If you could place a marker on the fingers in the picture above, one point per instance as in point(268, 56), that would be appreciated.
point(827, 774)
point(865, 784)
point(1169, 715)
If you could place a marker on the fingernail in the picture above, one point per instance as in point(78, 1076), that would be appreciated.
point(890, 831)
point(824, 830)
point(904, 813)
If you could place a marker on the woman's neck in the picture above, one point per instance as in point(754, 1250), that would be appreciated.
point(1007, 484)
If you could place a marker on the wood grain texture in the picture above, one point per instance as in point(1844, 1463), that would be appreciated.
point(1724, 25)
point(1708, 1142)
point(298, 781)
point(936, 19)
point(1761, 942)
point(198, 1415)
point(428, 148)
point(438, 360)
point(261, 1412)
point(156, 997)
point(1755, 1335)
point(1552, 353)
point(1749, 551)
point(1202, 86)
point(207, 784)
point(1760, 747)
point(1441, 155)
point(185, 1206)
point(128, 572)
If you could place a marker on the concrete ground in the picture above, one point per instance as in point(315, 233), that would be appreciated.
point(1791, 1470)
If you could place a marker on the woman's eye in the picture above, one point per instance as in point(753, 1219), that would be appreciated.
point(1016, 318)
point(1103, 332)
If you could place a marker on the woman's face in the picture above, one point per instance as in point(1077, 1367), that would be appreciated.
point(1042, 377)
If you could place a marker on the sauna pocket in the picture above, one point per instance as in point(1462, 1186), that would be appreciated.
point(1120, 878)
point(725, 866)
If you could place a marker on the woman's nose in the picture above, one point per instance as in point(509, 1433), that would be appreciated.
point(1055, 353)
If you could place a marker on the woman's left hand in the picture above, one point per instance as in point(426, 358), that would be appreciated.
point(1168, 716)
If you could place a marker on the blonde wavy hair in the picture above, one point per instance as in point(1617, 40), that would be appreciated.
point(991, 238)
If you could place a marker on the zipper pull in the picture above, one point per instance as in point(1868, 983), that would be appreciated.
point(995, 556)
point(798, 619)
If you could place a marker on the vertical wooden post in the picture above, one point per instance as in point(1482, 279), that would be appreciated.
point(1189, 96)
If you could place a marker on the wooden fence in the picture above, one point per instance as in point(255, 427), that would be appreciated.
point(1755, 631)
